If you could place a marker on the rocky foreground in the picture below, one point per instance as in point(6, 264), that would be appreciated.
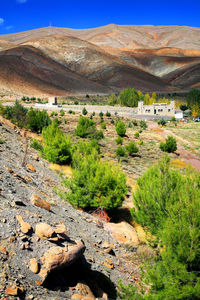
point(48, 249)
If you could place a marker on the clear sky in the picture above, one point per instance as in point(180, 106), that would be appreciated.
point(21, 15)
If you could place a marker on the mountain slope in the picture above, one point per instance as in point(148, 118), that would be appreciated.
point(25, 69)
point(95, 64)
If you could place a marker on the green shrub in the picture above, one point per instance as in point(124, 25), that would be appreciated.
point(87, 128)
point(84, 111)
point(162, 122)
point(108, 114)
point(52, 114)
point(120, 152)
point(36, 145)
point(167, 204)
point(143, 124)
point(103, 125)
point(95, 183)
point(112, 121)
point(170, 145)
point(70, 111)
point(75, 102)
point(173, 119)
point(119, 140)
point(36, 120)
point(101, 114)
point(62, 113)
point(120, 128)
point(140, 142)
point(57, 147)
point(16, 113)
point(128, 97)
point(135, 123)
point(136, 134)
point(131, 148)
point(130, 125)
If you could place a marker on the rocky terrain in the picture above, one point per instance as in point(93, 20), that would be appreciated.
point(99, 60)
point(48, 249)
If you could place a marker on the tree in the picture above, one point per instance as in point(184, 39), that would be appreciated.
point(128, 97)
point(95, 183)
point(193, 98)
point(183, 107)
point(167, 204)
point(131, 148)
point(120, 152)
point(170, 145)
point(87, 128)
point(112, 99)
point(84, 111)
point(57, 147)
point(36, 120)
point(143, 124)
point(119, 140)
point(120, 128)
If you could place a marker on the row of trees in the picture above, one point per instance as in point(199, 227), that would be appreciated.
point(32, 119)
point(130, 97)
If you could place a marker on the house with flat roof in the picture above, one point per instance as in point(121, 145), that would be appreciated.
point(157, 109)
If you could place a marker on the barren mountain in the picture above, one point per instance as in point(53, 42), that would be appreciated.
point(109, 58)
point(27, 70)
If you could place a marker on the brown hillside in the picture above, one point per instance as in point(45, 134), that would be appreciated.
point(27, 70)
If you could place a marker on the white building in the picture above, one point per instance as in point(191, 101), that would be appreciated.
point(157, 109)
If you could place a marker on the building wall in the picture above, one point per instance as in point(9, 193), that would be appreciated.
point(157, 109)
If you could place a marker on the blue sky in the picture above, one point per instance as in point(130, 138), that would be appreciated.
point(21, 15)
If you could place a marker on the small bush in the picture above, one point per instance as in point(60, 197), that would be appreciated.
point(84, 111)
point(131, 148)
point(52, 114)
point(120, 152)
point(170, 145)
point(62, 113)
point(57, 147)
point(103, 125)
point(94, 183)
point(119, 140)
point(36, 120)
point(136, 134)
point(140, 142)
point(130, 125)
point(135, 123)
point(75, 102)
point(143, 124)
point(101, 114)
point(70, 111)
point(120, 128)
point(162, 122)
point(112, 121)
point(108, 114)
point(87, 128)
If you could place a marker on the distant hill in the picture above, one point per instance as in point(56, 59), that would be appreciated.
point(99, 60)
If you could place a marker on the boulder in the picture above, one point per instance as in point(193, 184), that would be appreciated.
point(34, 266)
point(59, 257)
point(44, 231)
point(39, 202)
point(25, 227)
point(124, 233)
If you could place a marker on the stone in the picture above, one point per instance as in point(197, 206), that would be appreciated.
point(25, 227)
point(13, 290)
point(44, 231)
point(30, 167)
point(34, 266)
point(124, 233)
point(108, 263)
point(3, 250)
point(76, 296)
point(39, 202)
point(59, 257)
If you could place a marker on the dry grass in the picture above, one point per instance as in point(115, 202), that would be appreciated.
point(65, 170)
